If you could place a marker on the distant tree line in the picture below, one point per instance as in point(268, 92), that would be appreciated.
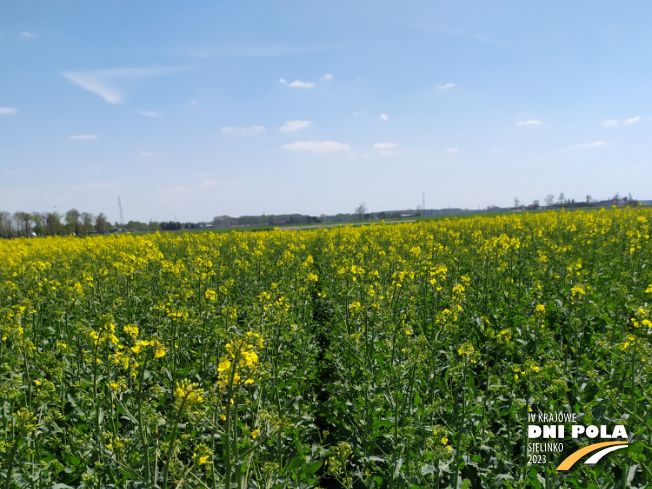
point(139, 227)
point(553, 202)
point(30, 224)
point(73, 222)
point(264, 220)
point(360, 213)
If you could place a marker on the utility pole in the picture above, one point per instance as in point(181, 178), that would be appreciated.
point(122, 219)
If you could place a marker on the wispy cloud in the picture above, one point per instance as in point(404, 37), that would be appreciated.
point(294, 125)
point(384, 145)
point(594, 144)
point(149, 113)
point(96, 84)
point(446, 86)
point(28, 34)
point(531, 122)
point(301, 84)
point(384, 117)
point(452, 150)
point(317, 146)
point(464, 34)
point(8, 111)
point(385, 149)
point(296, 83)
point(243, 131)
point(614, 122)
point(327, 77)
point(103, 82)
point(252, 50)
point(83, 137)
point(150, 154)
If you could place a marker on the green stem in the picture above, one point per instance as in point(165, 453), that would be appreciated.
point(227, 427)
point(11, 459)
point(141, 429)
point(172, 441)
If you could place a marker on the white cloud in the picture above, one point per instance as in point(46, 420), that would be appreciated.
point(594, 144)
point(462, 33)
point(294, 125)
point(97, 85)
point(102, 82)
point(327, 77)
point(149, 113)
point(610, 123)
point(317, 146)
point(193, 103)
point(633, 120)
point(385, 149)
point(283, 81)
point(531, 122)
point(452, 150)
point(8, 111)
point(150, 154)
point(243, 131)
point(445, 86)
point(300, 84)
point(385, 145)
point(384, 117)
point(83, 137)
point(28, 34)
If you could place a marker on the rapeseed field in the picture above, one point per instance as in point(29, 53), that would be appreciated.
point(382, 356)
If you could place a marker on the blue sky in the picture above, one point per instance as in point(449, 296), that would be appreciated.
point(188, 110)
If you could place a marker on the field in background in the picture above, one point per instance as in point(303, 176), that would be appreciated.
point(361, 356)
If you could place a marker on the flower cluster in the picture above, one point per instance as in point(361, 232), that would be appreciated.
point(240, 361)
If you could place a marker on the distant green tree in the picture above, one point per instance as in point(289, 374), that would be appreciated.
point(549, 200)
point(39, 224)
point(5, 224)
point(72, 221)
point(101, 223)
point(86, 223)
point(52, 223)
point(23, 221)
point(361, 210)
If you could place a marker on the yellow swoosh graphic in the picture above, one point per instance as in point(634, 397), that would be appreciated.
point(575, 456)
